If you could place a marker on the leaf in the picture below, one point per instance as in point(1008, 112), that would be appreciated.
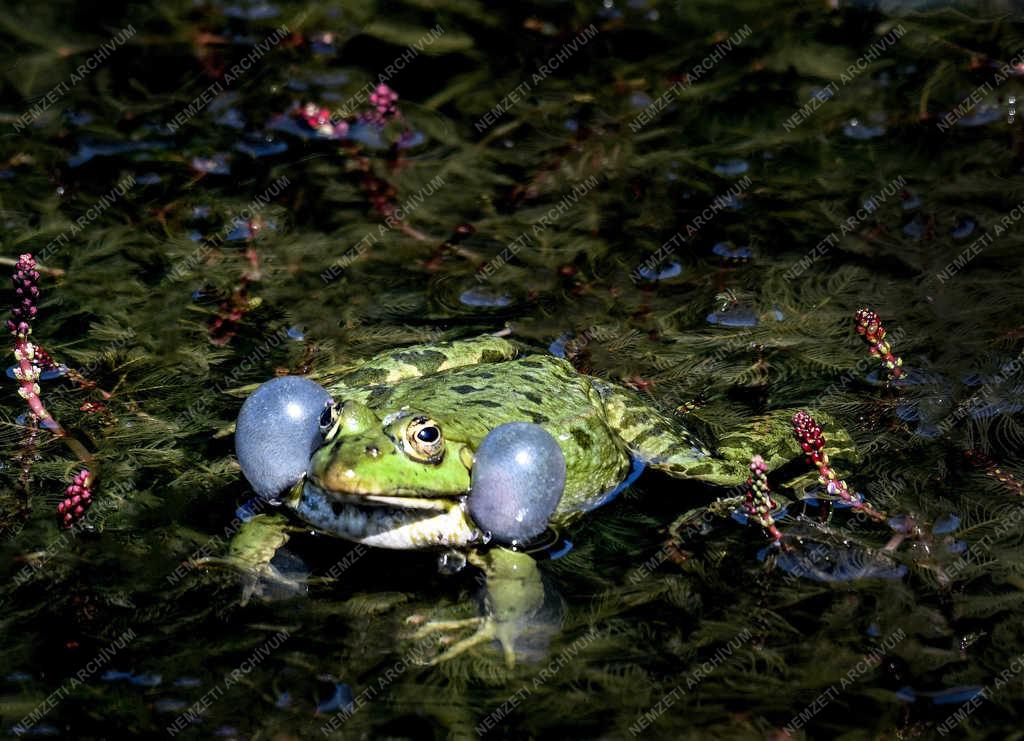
point(420, 40)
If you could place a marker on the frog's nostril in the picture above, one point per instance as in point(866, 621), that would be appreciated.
point(372, 450)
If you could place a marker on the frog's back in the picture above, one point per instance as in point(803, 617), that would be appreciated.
point(470, 401)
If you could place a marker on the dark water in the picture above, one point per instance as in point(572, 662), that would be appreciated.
point(695, 196)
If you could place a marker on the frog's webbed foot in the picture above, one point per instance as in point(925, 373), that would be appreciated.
point(487, 629)
point(250, 554)
point(515, 594)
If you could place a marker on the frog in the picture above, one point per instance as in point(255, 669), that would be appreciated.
point(395, 467)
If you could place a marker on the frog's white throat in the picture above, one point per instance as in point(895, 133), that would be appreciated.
point(387, 522)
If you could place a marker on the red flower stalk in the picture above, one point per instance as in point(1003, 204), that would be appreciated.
point(319, 119)
point(759, 504)
point(384, 98)
point(870, 328)
point(77, 501)
point(808, 434)
point(230, 314)
point(43, 359)
point(992, 469)
point(382, 194)
point(30, 358)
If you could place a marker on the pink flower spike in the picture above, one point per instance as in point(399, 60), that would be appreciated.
point(808, 433)
point(384, 99)
point(30, 358)
point(758, 503)
point(869, 326)
point(77, 500)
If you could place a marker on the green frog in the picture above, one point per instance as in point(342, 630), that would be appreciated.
point(395, 467)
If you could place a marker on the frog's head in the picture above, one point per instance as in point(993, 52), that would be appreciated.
point(402, 454)
point(391, 479)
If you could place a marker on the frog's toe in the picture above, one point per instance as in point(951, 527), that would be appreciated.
point(248, 575)
point(488, 629)
point(252, 554)
point(439, 626)
point(264, 581)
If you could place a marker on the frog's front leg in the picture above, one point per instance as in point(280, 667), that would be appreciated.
point(514, 594)
point(251, 550)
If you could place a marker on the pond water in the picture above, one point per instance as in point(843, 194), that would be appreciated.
point(693, 199)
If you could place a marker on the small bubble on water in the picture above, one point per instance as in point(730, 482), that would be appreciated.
point(963, 228)
point(911, 202)
point(737, 316)
point(732, 168)
point(855, 129)
point(914, 228)
point(669, 271)
point(484, 297)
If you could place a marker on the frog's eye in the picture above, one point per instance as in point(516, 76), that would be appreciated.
point(328, 417)
point(423, 440)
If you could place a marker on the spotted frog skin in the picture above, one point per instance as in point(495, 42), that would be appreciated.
point(395, 469)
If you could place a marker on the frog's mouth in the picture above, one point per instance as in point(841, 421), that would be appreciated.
point(387, 521)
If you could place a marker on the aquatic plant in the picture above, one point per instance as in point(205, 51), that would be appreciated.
point(319, 119)
point(78, 499)
point(384, 99)
point(338, 125)
point(758, 503)
point(31, 362)
point(237, 305)
point(383, 196)
point(230, 313)
point(992, 469)
point(812, 441)
point(869, 326)
point(31, 359)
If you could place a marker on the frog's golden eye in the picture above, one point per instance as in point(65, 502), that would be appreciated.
point(423, 440)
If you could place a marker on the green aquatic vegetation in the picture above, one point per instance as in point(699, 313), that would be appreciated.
point(134, 283)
